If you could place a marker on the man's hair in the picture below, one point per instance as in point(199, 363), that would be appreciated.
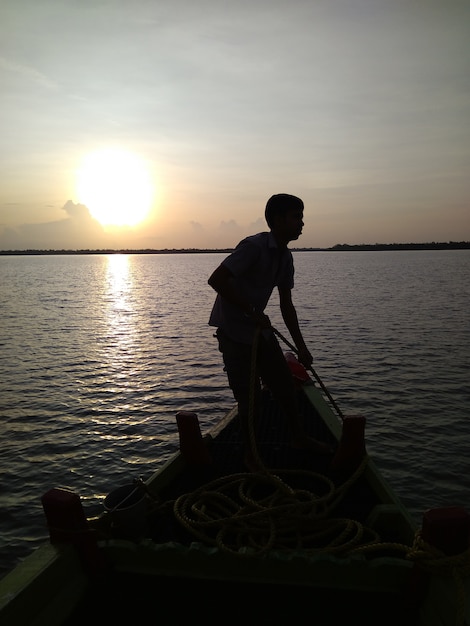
point(280, 204)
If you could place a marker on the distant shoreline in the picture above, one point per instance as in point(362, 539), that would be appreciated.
point(344, 247)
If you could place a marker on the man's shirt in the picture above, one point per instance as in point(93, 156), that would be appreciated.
point(257, 265)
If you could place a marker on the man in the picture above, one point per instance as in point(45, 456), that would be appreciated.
point(244, 282)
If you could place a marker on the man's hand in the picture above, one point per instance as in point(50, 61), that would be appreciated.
point(261, 319)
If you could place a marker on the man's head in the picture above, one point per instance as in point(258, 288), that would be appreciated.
point(279, 205)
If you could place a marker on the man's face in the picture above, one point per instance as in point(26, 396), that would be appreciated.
point(293, 223)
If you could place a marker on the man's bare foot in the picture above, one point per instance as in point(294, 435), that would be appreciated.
point(304, 442)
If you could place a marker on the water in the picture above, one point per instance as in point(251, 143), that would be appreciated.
point(99, 352)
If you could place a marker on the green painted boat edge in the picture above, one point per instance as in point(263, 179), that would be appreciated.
point(44, 588)
point(374, 477)
point(386, 574)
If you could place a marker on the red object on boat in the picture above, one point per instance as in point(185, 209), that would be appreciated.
point(64, 514)
point(447, 529)
point(298, 370)
point(352, 447)
point(67, 523)
point(192, 445)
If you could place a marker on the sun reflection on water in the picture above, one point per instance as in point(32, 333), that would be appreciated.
point(121, 317)
point(119, 280)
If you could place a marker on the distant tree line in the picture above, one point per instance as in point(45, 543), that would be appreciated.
point(115, 251)
point(339, 247)
point(434, 245)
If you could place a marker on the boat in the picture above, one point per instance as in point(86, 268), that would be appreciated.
point(308, 539)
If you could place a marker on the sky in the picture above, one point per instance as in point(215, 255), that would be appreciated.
point(360, 107)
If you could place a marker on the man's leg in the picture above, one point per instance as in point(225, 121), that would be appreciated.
point(237, 359)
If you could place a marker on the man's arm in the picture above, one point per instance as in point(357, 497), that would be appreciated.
point(289, 315)
point(221, 281)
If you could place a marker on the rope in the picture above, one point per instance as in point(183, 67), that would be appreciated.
point(317, 377)
point(253, 513)
point(251, 406)
point(257, 512)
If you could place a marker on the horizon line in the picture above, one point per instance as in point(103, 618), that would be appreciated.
point(456, 245)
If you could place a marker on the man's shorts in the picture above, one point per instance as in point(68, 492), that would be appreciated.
point(268, 359)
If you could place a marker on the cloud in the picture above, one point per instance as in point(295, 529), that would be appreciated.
point(77, 211)
point(196, 226)
point(77, 230)
point(228, 226)
point(258, 225)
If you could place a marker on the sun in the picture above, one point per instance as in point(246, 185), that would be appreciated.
point(115, 186)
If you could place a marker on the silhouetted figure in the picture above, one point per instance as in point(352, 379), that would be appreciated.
point(244, 282)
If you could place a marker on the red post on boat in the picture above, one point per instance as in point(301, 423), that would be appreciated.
point(447, 529)
point(67, 523)
point(192, 445)
point(352, 447)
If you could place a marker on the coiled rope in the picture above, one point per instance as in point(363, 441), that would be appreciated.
point(257, 512)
